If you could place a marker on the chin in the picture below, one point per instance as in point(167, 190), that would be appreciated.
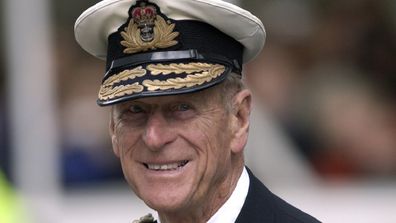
point(165, 202)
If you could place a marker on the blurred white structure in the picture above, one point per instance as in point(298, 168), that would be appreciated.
point(32, 106)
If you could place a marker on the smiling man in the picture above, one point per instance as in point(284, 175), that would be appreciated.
point(179, 110)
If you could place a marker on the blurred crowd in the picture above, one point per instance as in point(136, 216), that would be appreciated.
point(328, 74)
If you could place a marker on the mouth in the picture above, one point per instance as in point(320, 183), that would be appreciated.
point(166, 167)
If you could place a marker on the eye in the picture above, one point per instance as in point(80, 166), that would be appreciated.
point(182, 111)
point(132, 114)
point(182, 107)
point(136, 109)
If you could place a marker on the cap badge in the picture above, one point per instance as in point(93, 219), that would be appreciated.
point(147, 29)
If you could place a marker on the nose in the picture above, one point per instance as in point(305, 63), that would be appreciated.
point(158, 132)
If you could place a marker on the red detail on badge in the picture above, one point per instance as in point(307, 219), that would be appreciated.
point(144, 14)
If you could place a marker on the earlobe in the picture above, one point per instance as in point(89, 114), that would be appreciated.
point(241, 113)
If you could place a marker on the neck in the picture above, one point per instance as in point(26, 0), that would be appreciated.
point(213, 201)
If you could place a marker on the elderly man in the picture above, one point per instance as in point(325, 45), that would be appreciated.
point(179, 110)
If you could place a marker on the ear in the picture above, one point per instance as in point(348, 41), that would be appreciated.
point(242, 102)
point(114, 140)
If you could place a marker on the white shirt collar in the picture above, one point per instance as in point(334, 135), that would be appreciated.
point(229, 212)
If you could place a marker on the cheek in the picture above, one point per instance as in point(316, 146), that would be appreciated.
point(215, 133)
point(126, 140)
point(214, 164)
point(127, 148)
point(213, 140)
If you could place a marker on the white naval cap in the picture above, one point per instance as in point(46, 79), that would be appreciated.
point(94, 25)
point(165, 47)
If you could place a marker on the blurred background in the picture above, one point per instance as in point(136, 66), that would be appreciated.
point(323, 132)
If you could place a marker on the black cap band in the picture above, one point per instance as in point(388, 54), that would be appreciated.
point(174, 56)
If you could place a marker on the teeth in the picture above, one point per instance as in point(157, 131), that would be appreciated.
point(172, 166)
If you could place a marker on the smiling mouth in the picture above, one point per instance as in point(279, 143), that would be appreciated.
point(166, 167)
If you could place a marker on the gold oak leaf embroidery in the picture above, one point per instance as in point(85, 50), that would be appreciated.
point(203, 73)
point(157, 69)
point(108, 91)
point(163, 37)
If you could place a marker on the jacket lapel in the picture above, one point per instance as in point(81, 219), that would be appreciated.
point(258, 206)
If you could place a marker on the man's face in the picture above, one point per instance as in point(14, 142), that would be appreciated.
point(174, 150)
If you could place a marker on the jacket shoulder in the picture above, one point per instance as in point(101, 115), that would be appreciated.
point(261, 205)
point(289, 213)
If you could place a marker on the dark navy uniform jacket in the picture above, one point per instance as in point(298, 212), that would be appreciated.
point(262, 206)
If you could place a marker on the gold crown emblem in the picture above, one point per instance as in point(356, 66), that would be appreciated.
point(147, 30)
point(144, 15)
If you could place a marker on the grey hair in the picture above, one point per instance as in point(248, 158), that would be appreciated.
point(226, 90)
